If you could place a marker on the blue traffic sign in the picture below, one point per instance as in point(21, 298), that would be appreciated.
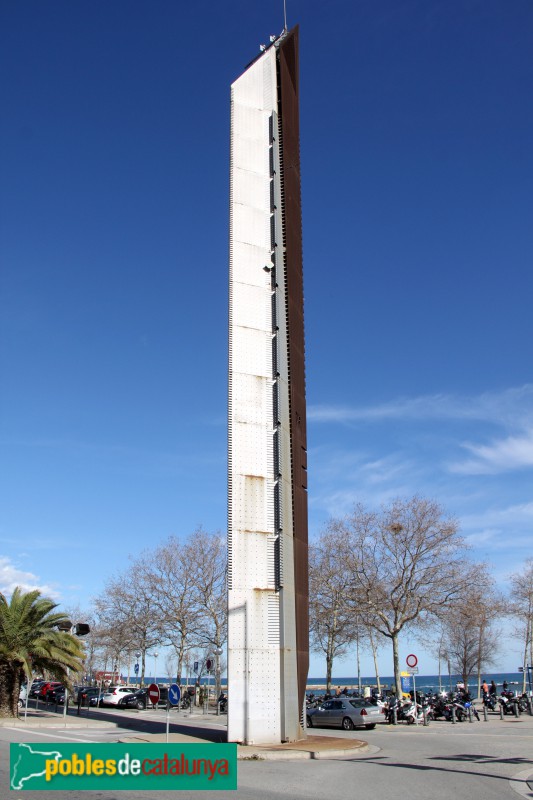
point(174, 694)
point(136, 668)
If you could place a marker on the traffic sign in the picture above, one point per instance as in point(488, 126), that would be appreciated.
point(412, 671)
point(153, 693)
point(411, 660)
point(209, 665)
point(136, 668)
point(195, 667)
point(174, 694)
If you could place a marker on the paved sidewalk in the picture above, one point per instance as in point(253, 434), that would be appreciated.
point(314, 747)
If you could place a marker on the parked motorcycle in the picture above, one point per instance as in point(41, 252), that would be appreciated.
point(490, 701)
point(463, 708)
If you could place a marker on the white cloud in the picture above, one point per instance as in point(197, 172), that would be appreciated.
point(518, 516)
point(511, 407)
point(11, 577)
point(513, 452)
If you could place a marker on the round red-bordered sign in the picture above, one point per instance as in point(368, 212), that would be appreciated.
point(153, 693)
point(411, 660)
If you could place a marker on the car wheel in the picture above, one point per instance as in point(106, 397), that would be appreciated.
point(21, 703)
point(371, 727)
point(309, 722)
point(410, 720)
point(347, 724)
point(140, 705)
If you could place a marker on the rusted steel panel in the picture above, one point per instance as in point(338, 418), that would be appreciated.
point(290, 126)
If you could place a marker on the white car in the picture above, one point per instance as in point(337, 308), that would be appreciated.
point(113, 694)
point(22, 695)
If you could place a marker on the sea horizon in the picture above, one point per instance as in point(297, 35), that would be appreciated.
point(423, 682)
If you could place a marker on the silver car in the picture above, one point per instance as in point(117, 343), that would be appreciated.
point(347, 713)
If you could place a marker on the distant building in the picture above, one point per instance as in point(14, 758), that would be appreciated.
point(268, 645)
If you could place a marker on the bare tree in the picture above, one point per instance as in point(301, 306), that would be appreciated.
point(522, 597)
point(405, 564)
point(375, 640)
point(332, 623)
point(467, 625)
point(126, 618)
point(207, 563)
point(168, 580)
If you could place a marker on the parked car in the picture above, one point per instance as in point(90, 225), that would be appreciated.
point(52, 694)
point(22, 695)
point(140, 699)
point(59, 696)
point(89, 693)
point(35, 687)
point(113, 694)
point(46, 688)
point(347, 713)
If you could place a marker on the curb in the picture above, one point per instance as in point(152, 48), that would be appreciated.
point(290, 752)
point(298, 755)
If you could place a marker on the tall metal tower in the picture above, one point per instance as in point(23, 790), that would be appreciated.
point(268, 642)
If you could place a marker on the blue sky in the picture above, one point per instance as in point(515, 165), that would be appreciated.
point(417, 176)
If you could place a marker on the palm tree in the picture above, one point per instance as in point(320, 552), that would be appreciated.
point(30, 642)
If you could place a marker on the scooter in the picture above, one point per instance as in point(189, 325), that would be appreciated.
point(409, 712)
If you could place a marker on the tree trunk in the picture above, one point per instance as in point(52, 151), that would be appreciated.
point(329, 664)
point(479, 652)
point(143, 667)
point(358, 663)
point(9, 690)
point(525, 660)
point(396, 664)
point(375, 656)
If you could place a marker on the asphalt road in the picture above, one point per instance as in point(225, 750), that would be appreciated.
point(478, 761)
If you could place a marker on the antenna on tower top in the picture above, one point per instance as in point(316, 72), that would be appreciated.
point(285, 13)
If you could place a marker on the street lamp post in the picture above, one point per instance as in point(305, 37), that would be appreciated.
point(81, 629)
point(137, 656)
point(155, 654)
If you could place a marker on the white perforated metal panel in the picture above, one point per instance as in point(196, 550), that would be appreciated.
point(261, 627)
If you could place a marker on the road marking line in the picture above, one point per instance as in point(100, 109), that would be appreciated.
point(39, 733)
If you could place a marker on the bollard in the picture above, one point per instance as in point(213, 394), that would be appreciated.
point(485, 715)
point(501, 711)
point(453, 715)
point(394, 716)
point(530, 706)
point(470, 715)
point(425, 715)
point(516, 710)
